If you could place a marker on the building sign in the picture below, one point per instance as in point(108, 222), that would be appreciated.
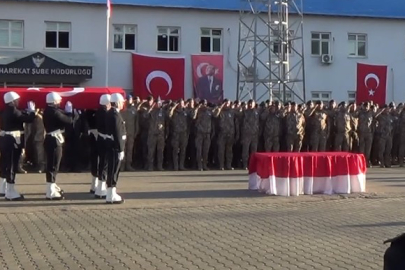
point(39, 68)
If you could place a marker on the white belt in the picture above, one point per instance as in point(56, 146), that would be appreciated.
point(16, 134)
point(94, 132)
point(105, 136)
point(57, 134)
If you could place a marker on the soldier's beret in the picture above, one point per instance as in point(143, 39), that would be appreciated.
point(293, 103)
point(318, 102)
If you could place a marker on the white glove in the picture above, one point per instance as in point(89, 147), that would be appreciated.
point(69, 107)
point(121, 156)
point(30, 106)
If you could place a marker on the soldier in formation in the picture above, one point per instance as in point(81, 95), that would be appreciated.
point(197, 135)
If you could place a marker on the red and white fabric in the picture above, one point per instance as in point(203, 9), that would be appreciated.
point(81, 97)
point(292, 174)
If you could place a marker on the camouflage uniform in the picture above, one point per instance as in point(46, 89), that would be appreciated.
point(295, 126)
point(179, 136)
point(331, 129)
point(249, 133)
point(156, 137)
point(319, 131)
point(343, 126)
point(307, 134)
point(144, 129)
point(385, 128)
point(226, 136)
point(401, 130)
point(271, 131)
point(130, 117)
point(365, 132)
point(203, 129)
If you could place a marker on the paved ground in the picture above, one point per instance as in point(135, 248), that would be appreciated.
point(194, 220)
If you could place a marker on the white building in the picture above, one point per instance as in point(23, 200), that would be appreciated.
point(75, 34)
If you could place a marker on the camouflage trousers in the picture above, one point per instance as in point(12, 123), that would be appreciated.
point(179, 146)
point(365, 143)
point(384, 150)
point(401, 151)
point(202, 144)
point(249, 146)
point(156, 144)
point(294, 142)
point(225, 144)
point(342, 142)
point(271, 143)
point(318, 142)
point(129, 152)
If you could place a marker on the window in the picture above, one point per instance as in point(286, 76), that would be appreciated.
point(357, 45)
point(277, 43)
point(168, 39)
point(11, 34)
point(211, 40)
point(323, 96)
point(124, 37)
point(57, 35)
point(351, 96)
point(320, 43)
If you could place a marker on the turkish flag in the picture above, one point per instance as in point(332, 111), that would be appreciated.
point(158, 77)
point(371, 83)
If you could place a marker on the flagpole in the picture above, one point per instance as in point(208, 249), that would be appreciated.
point(107, 43)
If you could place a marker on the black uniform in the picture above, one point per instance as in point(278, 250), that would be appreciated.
point(117, 133)
point(12, 144)
point(100, 118)
point(54, 119)
point(92, 126)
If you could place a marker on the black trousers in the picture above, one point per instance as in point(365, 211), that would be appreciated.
point(114, 166)
point(102, 158)
point(10, 152)
point(93, 156)
point(53, 152)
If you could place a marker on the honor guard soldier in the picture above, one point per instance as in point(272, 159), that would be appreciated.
point(91, 121)
point(102, 144)
point(11, 148)
point(115, 151)
point(55, 121)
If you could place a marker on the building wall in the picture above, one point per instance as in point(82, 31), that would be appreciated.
point(385, 43)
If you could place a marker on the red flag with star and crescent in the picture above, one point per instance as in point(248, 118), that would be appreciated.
point(158, 76)
point(371, 83)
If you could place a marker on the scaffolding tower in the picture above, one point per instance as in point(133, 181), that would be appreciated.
point(271, 51)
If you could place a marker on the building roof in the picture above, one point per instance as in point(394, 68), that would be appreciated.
point(394, 9)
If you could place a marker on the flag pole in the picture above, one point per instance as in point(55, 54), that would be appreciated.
point(107, 42)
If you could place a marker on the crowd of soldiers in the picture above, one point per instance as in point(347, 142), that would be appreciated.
point(197, 135)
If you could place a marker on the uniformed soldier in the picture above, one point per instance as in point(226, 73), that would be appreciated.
point(295, 129)
point(319, 128)
point(102, 145)
point(203, 134)
point(179, 134)
point(12, 125)
point(38, 136)
point(92, 131)
point(385, 128)
point(249, 131)
point(116, 146)
point(55, 121)
point(130, 116)
point(343, 127)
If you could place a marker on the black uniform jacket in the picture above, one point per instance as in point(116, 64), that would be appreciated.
point(101, 115)
point(13, 119)
point(116, 129)
point(54, 119)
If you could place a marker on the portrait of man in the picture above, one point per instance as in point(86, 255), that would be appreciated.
point(209, 87)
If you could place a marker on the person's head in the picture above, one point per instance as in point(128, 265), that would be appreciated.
point(130, 100)
point(190, 103)
point(342, 106)
point(117, 101)
point(272, 108)
point(366, 106)
point(105, 100)
point(251, 104)
point(226, 103)
point(137, 100)
point(392, 105)
point(319, 105)
point(204, 103)
point(210, 70)
point(150, 100)
point(53, 99)
point(332, 104)
point(11, 98)
point(181, 103)
point(293, 106)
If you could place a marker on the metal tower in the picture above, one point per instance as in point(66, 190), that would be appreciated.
point(270, 51)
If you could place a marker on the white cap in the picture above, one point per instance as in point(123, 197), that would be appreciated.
point(10, 97)
point(117, 97)
point(105, 99)
point(53, 97)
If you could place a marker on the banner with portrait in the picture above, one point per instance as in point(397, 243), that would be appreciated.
point(208, 73)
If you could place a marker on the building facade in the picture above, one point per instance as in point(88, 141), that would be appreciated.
point(74, 35)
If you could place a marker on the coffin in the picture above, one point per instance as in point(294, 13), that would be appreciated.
point(81, 97)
